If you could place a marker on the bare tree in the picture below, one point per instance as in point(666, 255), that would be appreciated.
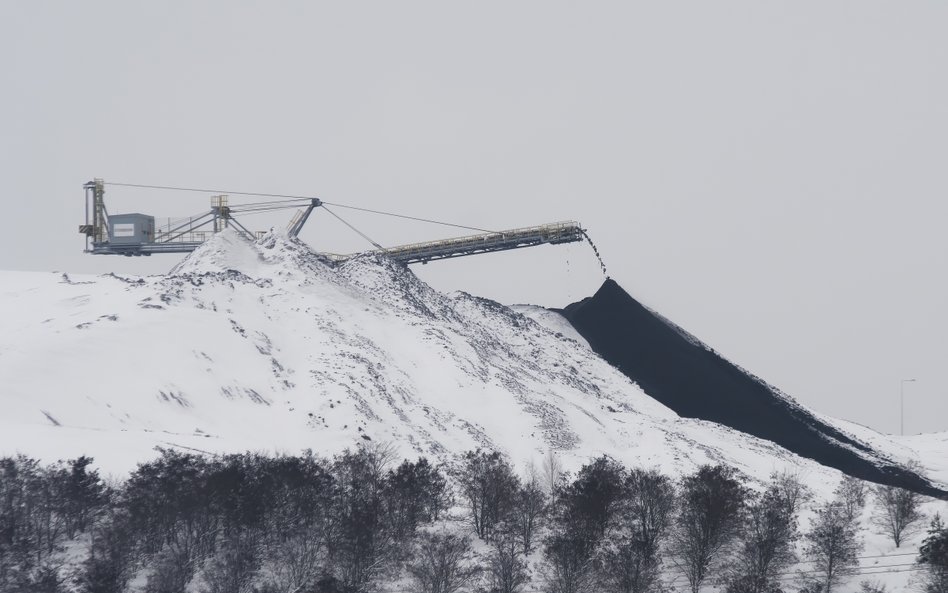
point(442, 563)
point(506, 568)
point(379, 455)
point(898, 512)
point(832, 546)
point(628, 566)
point(629, 561)
point(489, 487)
point(593, 500)
point(583, 513)
point(570, 565)
point(552, 474)
point(530, 503)
point(172, 570)
point(297, 560)
point(108, 567)
point(649, 506)
point(851, 494)
point(708, 522)
point(791, 490)
point(767, 543)
point(361, 546)
point(415, 493)
point(233, 568)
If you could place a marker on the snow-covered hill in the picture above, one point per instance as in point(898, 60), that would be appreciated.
point(267, 347)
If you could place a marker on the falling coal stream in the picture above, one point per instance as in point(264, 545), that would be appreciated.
point(602, 264)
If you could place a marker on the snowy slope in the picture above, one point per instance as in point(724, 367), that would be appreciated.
point(267, 347)
point(930, 451)
point(552, 321)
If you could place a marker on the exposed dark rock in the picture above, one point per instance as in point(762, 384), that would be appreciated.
point(678, 370)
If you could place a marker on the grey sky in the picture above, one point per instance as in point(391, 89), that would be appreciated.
point(770, 175)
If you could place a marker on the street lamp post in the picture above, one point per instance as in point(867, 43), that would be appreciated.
point(902, 404)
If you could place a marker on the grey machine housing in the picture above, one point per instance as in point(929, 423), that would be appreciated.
point(131, 229)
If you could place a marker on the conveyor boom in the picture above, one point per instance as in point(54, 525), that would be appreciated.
point(558, 232)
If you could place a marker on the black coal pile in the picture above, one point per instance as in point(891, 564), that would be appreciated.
point(678, 370)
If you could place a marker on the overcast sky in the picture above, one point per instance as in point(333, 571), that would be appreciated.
point(770, 175)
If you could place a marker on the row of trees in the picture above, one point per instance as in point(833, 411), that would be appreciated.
point(40, 508)
point(615, 529)
point(257, 524)
point(233, 524)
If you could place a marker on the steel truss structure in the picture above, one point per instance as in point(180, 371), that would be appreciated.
point(187, 235)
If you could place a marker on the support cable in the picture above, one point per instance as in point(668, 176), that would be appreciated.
point(256, 209)
point(363, 235)
point(460, 226)
point(207, 191)
point(291, 197)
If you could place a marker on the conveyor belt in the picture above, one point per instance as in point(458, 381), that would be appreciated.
point(558, 232)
